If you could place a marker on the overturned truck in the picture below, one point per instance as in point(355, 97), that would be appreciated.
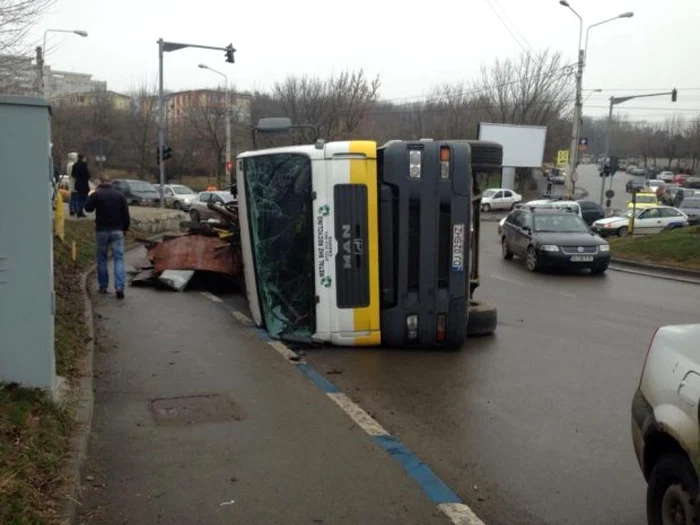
point(355, 244)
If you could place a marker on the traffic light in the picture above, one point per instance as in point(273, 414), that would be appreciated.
point(167, 152)
point(229, 54)
point(674, 95)
point(606, 170)
point(614, 165)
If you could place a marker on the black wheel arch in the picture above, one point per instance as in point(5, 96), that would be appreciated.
point(657, 443)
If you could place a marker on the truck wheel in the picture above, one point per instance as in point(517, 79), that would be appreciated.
point(672, 491)
point(486, 156)
point(482, 319)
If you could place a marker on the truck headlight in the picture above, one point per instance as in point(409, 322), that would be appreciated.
point(412, 326)
point(549, 248)
point(414, 163)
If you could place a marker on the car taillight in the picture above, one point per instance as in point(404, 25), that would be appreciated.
point(651, 342)
point(444, 162)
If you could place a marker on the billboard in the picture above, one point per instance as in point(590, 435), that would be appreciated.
point(523, 146)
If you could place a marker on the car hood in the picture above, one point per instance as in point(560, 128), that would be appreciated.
point(611, 220)
point(690, 211)
point(570, 239)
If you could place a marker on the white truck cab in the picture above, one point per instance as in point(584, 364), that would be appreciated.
point(355, 244)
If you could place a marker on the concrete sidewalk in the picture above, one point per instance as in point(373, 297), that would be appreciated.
point(260, 444)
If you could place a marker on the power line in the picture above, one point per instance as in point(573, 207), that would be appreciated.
point(505, 14)
point(488, 2)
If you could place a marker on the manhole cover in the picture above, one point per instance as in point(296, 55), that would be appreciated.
point(193, 410)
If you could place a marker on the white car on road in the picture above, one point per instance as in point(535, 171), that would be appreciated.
point(665, 429)
point(655, 184)
point(648, 220)
point(499, 199)
point(666, 176)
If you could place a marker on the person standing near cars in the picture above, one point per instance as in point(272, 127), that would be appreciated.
point(73, 200)
point(112, 221)
point(81, 174)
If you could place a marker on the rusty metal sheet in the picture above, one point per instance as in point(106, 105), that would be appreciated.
point(196, 252)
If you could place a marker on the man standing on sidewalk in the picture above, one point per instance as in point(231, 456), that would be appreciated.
point(112, 221)
point(81, 174)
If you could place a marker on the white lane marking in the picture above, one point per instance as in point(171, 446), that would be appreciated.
point(241, 317)
point(212, 297)
point(283, 350)
point(359, 416)
point(459, 514)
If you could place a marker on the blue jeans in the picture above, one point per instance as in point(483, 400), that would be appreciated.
point(73, 203)
point(80, 200)
point(115, 239)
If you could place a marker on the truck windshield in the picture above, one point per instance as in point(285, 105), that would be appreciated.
point(278, 196)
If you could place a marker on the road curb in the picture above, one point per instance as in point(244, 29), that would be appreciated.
point(85, 401)
point(643, 265)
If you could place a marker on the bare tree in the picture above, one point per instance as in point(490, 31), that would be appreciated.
point(16, 19)
point(207, 124)
point(141, 129)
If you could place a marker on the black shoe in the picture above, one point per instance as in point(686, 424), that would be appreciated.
point(120, 294)
point(81, 215)
point(103, 291)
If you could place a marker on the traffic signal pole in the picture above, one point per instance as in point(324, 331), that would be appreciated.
point(164, 47)
point(613, 102)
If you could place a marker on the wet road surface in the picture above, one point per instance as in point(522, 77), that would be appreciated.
point(531, 426)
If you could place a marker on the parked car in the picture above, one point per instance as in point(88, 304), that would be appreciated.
point(666, 176)
point(665, 430)
point(643, 200)
point(635, 186)
point(499, 199)
point(199, 211)
point(591, 211)
point(691, 207)
point(680, 178)
point(692, 182)
point(647, 221)
point(178, 196)
point(548, 238)
point(137, 192)
point(655, 184)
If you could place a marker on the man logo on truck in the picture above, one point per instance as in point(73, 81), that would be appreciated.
point(350, 247)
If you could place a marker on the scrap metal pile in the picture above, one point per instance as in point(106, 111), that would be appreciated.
point(211, 247)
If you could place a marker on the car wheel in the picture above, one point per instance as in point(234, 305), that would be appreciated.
point(486, 207)
point(672, 492)
point(531, 260)
point(507, 254)
point(177, 205)
point(482, 319)
point(194, 215)
point(623, 232)
point(599, 269)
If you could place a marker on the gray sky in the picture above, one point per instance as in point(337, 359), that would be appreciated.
point(413, 46)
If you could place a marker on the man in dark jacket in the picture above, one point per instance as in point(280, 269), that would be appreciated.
point(81, 174)
point(112, 221)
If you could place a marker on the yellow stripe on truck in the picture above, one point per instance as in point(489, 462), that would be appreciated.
point(364, 171)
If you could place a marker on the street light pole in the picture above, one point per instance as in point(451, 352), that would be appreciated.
point(164, 47)
point(578, 105)
point(41, 58)
point(228, 123)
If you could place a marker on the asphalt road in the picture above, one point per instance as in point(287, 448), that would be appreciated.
point(530, 426)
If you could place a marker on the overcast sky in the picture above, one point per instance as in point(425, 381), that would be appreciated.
point(411, 45)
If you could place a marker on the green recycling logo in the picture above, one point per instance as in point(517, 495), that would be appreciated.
point(326, 281)
point(324, 210)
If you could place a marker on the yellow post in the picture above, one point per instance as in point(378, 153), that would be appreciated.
point(630, 226)
point(74, 251)
point(59, 222)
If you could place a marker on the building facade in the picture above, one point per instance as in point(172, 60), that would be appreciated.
point(181, 103)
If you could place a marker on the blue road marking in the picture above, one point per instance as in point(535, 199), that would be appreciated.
point(316, 378)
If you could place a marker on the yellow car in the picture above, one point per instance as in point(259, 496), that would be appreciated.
point(644, 200)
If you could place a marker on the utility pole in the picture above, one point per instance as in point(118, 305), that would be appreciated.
point(576, 128)
point(39, 81)
point(228, 166)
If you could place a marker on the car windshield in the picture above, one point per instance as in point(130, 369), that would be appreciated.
point(628, 215)
point(279, 201)
point(559, 222)
point(182, 190)
point(691, 203)
point(226, 195)
point(490, 193)
point(142, 186)
point(646, 199)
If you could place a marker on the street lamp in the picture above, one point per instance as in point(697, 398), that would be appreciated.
point(576, 128)
point(228, 123)
point(40, 59)
point(591, 93)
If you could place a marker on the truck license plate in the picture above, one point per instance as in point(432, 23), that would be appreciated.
point(581, 258)
point(458, 248)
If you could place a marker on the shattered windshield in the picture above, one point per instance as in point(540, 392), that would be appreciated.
point(278, 193)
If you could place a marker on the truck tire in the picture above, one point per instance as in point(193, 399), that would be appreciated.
point(486, 155)
point(482, 319)
point(672, 491)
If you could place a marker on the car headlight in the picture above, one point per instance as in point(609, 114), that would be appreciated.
point(549, 248)
point(604, 248)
